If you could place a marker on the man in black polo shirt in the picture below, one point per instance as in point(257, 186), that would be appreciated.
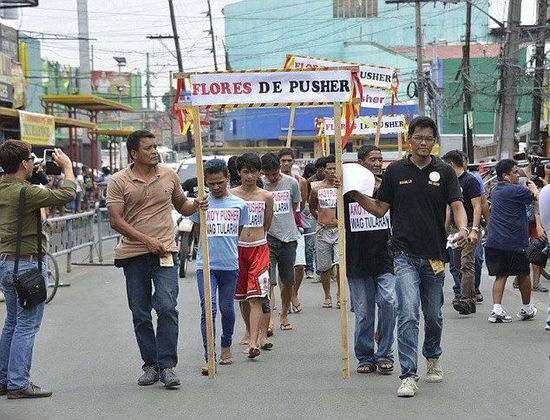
point(418, 189)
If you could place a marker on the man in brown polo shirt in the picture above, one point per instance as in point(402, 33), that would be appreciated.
point(140, 199)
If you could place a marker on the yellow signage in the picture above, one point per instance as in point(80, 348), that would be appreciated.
point(38, 129)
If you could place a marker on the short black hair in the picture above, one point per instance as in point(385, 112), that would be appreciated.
point(364, 151)
point(12, 153)
point(309, 170)
point(232, 168)
point(423, 122)
point(250, 161)
point(329, 159)
point(455, 157)
point(320, 163)
point(286, 151)
point(215, 166)
point(132, 142)
point(504, 167)
point(270, 161)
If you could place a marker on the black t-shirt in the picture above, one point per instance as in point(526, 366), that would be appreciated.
point(418, 199)
point(470, 189)
point(367, 251)
point(191, 187)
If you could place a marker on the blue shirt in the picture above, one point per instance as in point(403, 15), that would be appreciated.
point(508, 227)
point(223, 219)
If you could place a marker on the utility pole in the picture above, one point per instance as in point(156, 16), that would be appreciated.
point(172, 141)
point(148, 81)
point(508, 83)
point(211, 32)
point(85, 86)
point(176, 38)
point(467, 139)
point(542, 10)
point(419, 61)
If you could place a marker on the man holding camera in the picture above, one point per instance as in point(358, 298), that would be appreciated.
point(21, 325)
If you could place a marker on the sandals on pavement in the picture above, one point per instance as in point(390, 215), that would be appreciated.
point(253, 352)
point(286, 327)
point(296, 308)
point(539, 288)
point(366, 368)
point(385, 367)
point(327, 303)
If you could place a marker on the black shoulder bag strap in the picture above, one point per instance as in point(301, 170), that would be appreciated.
point(20, 216)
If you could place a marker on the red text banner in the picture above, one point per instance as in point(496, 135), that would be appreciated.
point(367, 125)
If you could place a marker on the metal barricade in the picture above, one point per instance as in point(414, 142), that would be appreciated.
point(70, 233)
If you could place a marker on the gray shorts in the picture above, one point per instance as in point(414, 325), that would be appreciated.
point(327, 248)
point(282, 256)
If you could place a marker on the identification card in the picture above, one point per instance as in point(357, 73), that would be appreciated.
point(167, 260)
point(437, 266)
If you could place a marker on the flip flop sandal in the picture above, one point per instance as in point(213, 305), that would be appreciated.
point(327, 304)
point(227, 361)
point(385, 367)
point(296, 308)
point(366, 368)
point(253, 353)
point(286, 327)
point(267, 346)
point(204, 370)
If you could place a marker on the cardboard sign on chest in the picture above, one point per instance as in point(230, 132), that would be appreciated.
point(222, 222)
point(256, 211)
point(281, 202)
point(327, 198)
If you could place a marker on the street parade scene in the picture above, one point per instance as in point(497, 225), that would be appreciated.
point(274, 209)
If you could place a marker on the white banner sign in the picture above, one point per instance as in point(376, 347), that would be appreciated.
point(390, 125)
point(327, 198)
point(373, 98)
point(270, 87)
point(281, 202)
point(222, 222)
point(380, 77)
point(361, 220)
point(256, 211)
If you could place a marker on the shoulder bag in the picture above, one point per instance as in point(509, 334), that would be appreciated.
point(537, 252)
point(30, 285)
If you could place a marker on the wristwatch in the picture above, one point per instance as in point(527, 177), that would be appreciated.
point(466, 229)
point(475, 228)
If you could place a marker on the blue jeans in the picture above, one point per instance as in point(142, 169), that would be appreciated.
point(365, 292)
point(222, 285)
point(415, 285)
point(20, 328)
point(310, 246)
point(161, 350)
point(478, 265)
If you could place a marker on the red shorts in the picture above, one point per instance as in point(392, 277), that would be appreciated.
point(253, 271)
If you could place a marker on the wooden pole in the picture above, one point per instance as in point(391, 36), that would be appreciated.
point(378, 127)
point(327, 144)
point(341, 243)
point(204, 243)
point(399, 146)
point(290, 126)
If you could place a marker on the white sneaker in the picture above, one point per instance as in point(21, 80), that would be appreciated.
point(547, 327)
point(434, 373)
point(407, 388)
point(499, 318)
point(2, 298)
point(525, 315)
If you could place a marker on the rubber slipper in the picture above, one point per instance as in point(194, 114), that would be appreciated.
point(366, 369)
point(286, 327)
point(385, 367)
point(267, 346)
point(253, 353)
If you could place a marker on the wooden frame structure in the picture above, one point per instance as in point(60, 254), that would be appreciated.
point(195, 110)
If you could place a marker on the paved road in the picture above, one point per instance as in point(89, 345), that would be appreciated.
point(86, 353)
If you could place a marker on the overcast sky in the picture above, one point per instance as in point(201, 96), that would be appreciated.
point(120, 28)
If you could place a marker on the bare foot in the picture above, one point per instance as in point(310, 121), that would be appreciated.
point(245, 340)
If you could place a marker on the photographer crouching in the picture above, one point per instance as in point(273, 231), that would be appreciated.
point(23, 270)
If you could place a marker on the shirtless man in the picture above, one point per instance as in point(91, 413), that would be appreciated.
point(253, 285)
point(286, 157)
point(322, 204)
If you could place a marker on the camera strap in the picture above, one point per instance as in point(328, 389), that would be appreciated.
point(20, 216)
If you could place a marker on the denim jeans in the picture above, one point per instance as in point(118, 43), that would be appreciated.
point(20, 328)
point(222, 285)
point(478, 265)
point(160, 350)
point(367, 292)
point(415, 285)
point(309, 237)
